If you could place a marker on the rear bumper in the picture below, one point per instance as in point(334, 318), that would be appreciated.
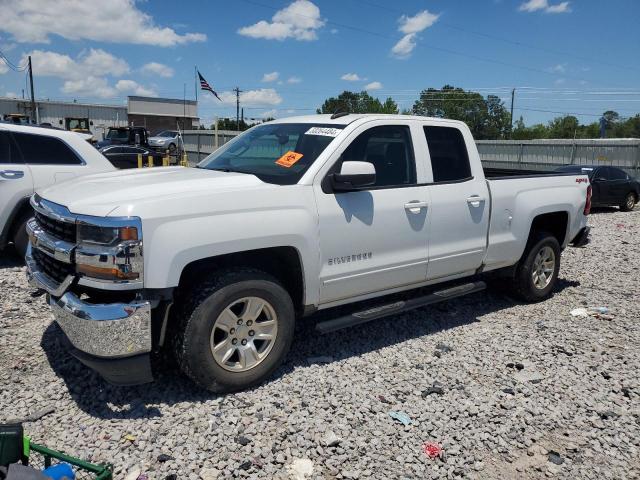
point(582, 238)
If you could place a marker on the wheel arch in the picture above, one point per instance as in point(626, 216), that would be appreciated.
point(22, 207)
point(283, 263)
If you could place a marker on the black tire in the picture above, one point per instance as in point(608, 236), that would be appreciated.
point(524, 286)
point(19, 234)
point(172, 149)
point(197, 317)
point(629, 202)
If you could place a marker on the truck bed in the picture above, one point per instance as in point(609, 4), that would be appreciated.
point(507, 173)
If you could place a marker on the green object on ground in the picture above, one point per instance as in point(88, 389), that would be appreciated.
point(43, 457)
point(26, 446)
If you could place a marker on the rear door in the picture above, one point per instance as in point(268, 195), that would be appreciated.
point(50, 159)
point(374, 239)
point(459, 203)
point(619, 185)
point(16, 182)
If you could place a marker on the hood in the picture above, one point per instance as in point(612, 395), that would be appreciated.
point(103, 193)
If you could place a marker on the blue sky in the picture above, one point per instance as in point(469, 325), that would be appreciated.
point(579, 56)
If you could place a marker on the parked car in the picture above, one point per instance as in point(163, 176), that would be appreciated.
point(32, 158)
point(134, 136)
point(165, 140)
point(291, 217)
point(612, 186)
point(127, 157)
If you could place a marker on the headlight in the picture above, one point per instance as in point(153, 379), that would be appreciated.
point(109, 250)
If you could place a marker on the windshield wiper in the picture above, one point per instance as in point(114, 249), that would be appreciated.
point(229, 170)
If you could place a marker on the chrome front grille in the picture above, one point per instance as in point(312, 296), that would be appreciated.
point(53, 268)
point(57, 228)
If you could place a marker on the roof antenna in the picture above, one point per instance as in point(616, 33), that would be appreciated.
point(338, 114)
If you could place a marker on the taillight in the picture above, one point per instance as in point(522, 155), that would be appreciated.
point(587, 204)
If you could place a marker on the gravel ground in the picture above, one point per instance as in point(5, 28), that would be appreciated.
point(505, 389)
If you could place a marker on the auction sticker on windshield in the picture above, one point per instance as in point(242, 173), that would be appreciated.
point(289, 159)
point(324, 131)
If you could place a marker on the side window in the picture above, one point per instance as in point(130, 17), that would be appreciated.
point(448, 152)
point(604, 173)
point(41, 149)
point(617, 174)
point(390, 150)
point(8, 151)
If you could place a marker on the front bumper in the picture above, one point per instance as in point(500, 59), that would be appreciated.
point(115, 339)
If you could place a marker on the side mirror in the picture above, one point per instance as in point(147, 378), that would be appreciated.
point(353, 176)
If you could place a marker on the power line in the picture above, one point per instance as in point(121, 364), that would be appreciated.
point(508, 40)
point(12, 65)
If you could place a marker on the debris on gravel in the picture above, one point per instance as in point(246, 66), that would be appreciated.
point(566, 408)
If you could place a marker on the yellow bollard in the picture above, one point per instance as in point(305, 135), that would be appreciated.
point(139, 160)
point(165, 159)
point(150, 161)
point(185, 161)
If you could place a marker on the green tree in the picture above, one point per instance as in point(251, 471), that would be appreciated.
point(487, 118)
point(564, 127)
point(353, 102)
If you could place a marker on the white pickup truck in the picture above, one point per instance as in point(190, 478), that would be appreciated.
point(32, 158)
point(293, 216)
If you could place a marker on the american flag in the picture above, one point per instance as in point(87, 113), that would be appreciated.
point(204, 85)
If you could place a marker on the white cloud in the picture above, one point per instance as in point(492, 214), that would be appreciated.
point(133, 87)
point(269, 113)
point(262, 97)
point(373, 86)
point(559, 68)
point(115, 21)
point(3, 68)
point(351, 77)
point(536, 5)
point(11, 95)
point(292, 80)
point(87, 74)
point(411, 26)
point(95, 62)
point(300, 21)
point(560, 81)
point(417, 23)
point(405, 46)
point(155, 68)
point(270, 77)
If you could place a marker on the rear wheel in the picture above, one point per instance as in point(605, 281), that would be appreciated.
point(235, 330)
point(537, 272)
point(172, 149)
point(629, 202)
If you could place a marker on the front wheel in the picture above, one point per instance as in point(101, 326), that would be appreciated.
point(538, 269)
point(235, 330)
point(20, 237)
point(629, 202)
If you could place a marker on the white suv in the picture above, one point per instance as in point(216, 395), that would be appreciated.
point(33, 158)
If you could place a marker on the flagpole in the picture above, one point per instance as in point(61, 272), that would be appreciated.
point(195, 81)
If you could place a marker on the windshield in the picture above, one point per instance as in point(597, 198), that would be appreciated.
point(166, 133)
point(117, 134)
point(277, 153)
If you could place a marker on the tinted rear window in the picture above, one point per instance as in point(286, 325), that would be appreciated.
point(448, 152)
point(41, 149)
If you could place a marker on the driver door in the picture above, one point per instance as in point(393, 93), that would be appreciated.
point(374, 239)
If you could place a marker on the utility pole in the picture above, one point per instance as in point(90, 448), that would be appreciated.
point(33, 101)
point(513, 94)
point(237, 90)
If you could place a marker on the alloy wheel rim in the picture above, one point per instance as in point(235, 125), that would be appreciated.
point(630, 201)
point(544, 266)
point(244, 333)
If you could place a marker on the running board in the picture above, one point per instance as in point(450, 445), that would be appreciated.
point(398, 307)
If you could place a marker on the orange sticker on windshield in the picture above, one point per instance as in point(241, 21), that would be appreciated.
point(289, 159)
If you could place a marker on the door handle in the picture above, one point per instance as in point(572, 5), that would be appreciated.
point(11, 174)
point(415, 206)
point(474, 200)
